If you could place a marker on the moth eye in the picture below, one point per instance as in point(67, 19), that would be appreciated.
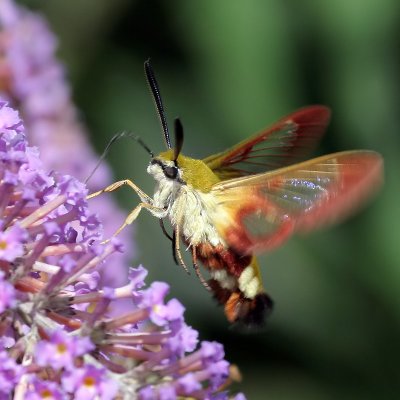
point(171, 172)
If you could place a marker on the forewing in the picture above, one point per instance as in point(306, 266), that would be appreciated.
point(261, 211)
point(280, 145)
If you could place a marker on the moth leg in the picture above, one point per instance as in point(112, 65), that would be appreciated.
point(173, 247)
point(177, 253)
point(133, 215)
point(197, 270)
point(165, 231)
point(116, 185)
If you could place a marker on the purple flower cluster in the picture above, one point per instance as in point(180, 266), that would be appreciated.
point(59, 338)
point(33, 80)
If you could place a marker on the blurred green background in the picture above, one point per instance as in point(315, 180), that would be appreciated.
point(229, 68)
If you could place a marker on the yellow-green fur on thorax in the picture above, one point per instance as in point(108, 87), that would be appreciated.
point(194, 172)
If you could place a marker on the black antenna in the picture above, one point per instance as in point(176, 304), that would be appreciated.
point(178, 128)
point(155, 91)
point(116, 137)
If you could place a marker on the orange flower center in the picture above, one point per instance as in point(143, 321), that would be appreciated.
point(89, 381)
point(61, 348)
point(46, 394)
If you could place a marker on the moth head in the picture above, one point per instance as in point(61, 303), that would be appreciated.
point(171, 165)
point(164, 166)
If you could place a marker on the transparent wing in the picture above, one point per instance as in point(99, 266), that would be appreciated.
point(280, 145)
point(259, 212)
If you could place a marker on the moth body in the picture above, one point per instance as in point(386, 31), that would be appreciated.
point(235, 279)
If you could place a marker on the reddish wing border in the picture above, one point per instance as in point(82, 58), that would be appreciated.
point(280, 145)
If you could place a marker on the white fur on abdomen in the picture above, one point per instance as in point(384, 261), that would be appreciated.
point(193, 211)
